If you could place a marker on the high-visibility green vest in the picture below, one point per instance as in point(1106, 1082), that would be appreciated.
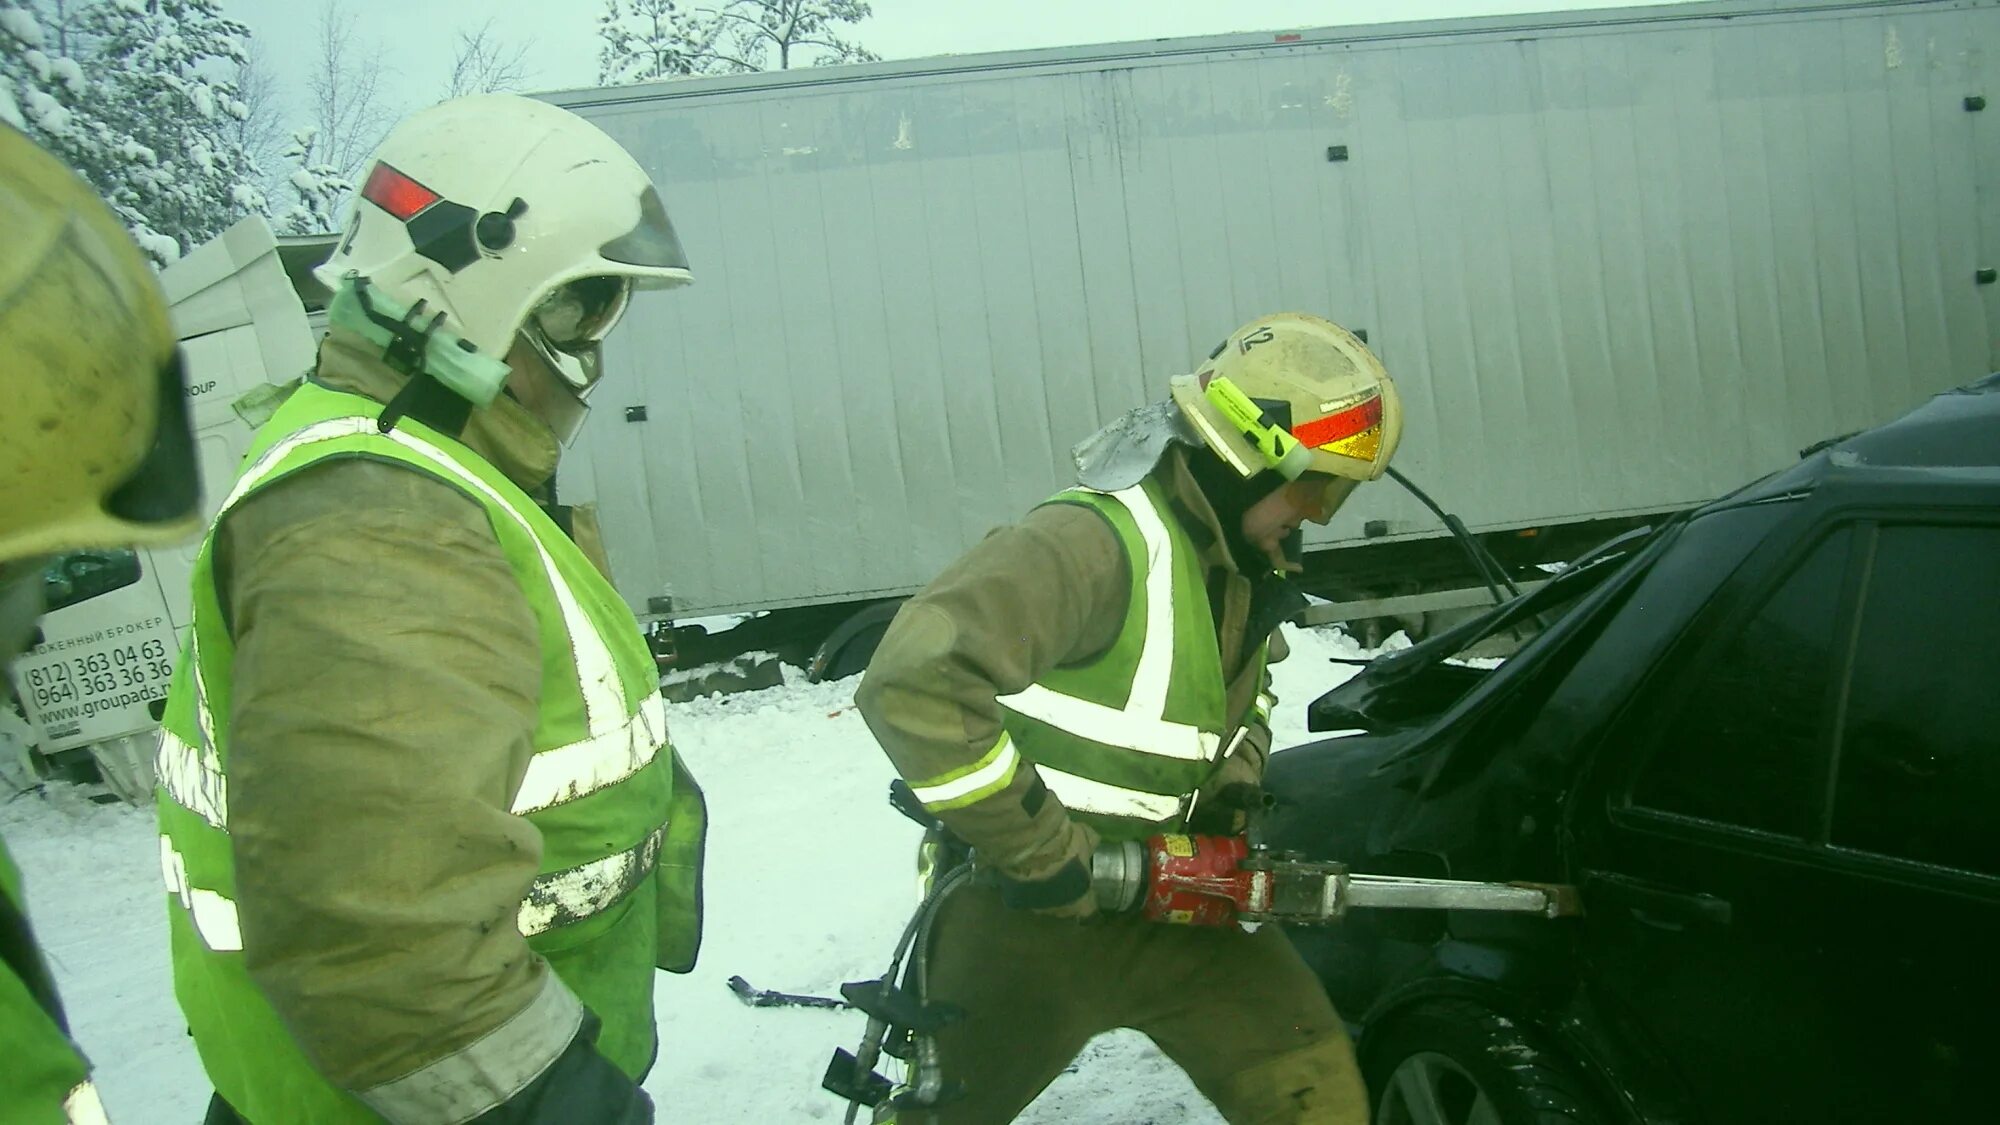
point(621, 824)
point(47, 1082)
point(1126, 738)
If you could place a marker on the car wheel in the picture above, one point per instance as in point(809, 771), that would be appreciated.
point(1456, 1063)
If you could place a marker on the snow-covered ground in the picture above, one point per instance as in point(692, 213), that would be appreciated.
point(809, 882)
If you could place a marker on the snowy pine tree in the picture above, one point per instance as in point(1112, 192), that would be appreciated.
point(40, 88)
point(647, 40)
point(321, 188)
point(144, 109)
point(47, 94)
point(754, 34)
point(164, 77)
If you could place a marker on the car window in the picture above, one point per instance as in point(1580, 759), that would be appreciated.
point(1919, 766)
point(1741, 743)
point(83, 575)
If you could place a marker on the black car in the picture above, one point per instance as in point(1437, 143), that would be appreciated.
point(1763, 739)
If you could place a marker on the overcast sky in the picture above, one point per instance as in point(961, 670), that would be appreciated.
point(416, 38)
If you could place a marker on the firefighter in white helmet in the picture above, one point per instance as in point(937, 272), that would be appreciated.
point(1099, 672)
point(95, 452)
point(424, 838)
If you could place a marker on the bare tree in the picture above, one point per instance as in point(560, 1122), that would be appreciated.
point(348, 116)
point(261, 130)
point(486, 64)
point(63, 17)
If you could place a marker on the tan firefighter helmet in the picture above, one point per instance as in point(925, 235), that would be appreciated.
point(1293, 394)
point(95, 448)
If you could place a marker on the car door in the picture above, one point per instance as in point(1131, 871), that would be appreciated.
point(1692, 842)
point(1768, 915)
point(1911, 832)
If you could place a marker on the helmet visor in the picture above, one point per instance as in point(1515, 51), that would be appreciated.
point(1332, 493)
point(581, 313)
point(164, 489)
point(652, 244)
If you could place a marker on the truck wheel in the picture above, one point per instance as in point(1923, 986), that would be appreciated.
point(1456, 1063)
point(847, 650)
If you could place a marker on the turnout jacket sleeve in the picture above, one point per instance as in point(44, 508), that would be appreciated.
point(1047, 591)
point(386, 686)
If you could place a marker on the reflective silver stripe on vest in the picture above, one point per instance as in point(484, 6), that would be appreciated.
point(193, 779)
point(1141, 726)
point(618, 745)
point(561, 897)
point(214, 915)
point(597, 674)
point(203, 717)
point(1080, 794)
point(599, 762)
point(81, 1107)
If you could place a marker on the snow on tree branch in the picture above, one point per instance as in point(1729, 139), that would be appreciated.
point(319, 186)
point(648, 40)
point(137, 97)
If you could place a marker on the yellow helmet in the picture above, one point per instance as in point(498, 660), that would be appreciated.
point(1294, 394)
point(95, 447)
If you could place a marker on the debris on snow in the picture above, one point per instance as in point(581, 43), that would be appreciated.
point(810, 880)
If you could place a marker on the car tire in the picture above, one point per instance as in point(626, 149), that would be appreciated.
point(1456, 1063)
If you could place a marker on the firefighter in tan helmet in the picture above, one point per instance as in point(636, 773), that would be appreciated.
point(1098, 672)
point(95, 451)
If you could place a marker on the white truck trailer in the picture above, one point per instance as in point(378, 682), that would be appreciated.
point(1618, 262)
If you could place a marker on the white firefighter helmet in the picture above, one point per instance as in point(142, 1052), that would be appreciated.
point(1295, 394)
point(510, 215)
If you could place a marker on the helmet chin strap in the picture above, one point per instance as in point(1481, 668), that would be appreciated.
point(574, 376)
point(566, 414)
point(446, 379)
point(1232, 495)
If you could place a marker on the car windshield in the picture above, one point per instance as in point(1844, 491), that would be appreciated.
point(1414, 684)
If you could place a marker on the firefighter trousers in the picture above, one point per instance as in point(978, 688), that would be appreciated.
point(1240, 1013)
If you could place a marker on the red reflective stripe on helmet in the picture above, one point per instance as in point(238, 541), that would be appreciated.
point(396, 193)
point(1325, 431)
